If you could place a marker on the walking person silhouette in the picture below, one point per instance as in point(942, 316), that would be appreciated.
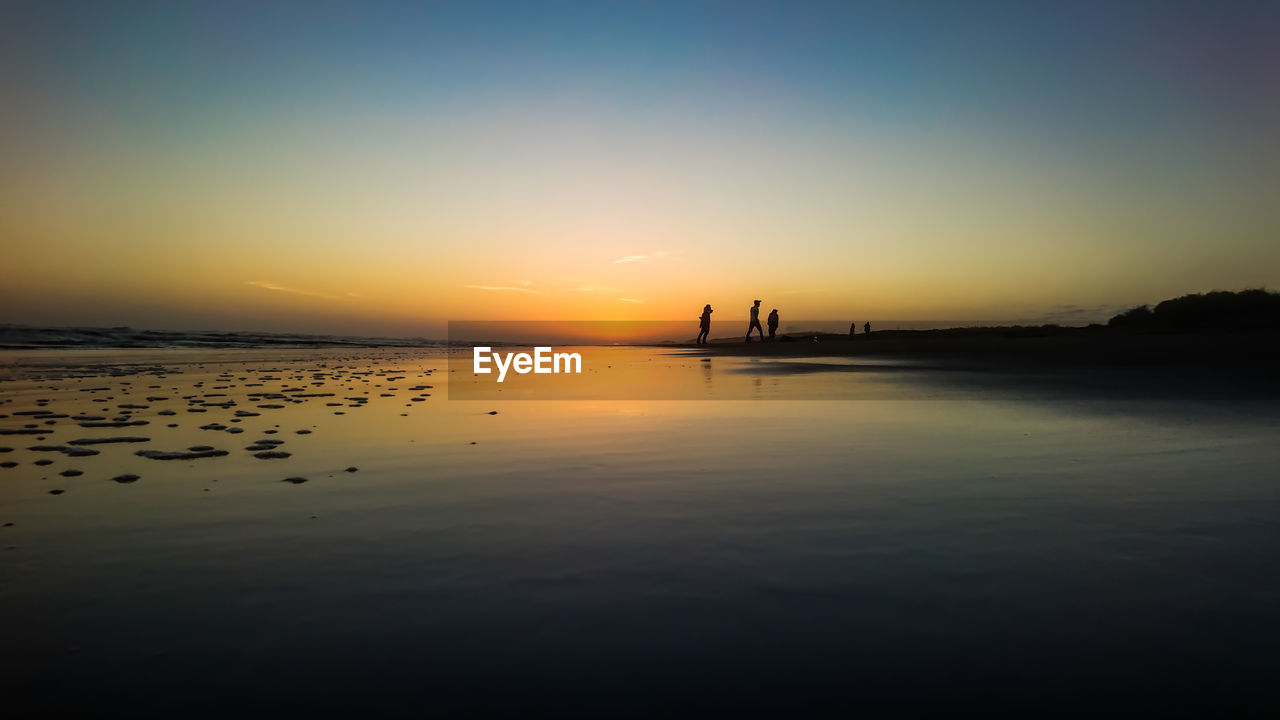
point(704, 324)
point(773, 324)
point(755, 322)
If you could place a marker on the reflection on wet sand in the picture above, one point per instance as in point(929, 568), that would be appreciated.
point(391, 534)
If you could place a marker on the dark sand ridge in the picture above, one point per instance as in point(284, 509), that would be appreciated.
point(1014, 348)
point(1056, 361)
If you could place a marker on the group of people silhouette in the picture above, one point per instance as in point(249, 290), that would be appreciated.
point(704, 324)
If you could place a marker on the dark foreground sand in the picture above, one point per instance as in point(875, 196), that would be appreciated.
point(369, 544)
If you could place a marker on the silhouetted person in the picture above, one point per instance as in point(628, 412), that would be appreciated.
point(704, 324)
point(773, 323)
point(755, 322)
point(866, 328)
point(853, 328)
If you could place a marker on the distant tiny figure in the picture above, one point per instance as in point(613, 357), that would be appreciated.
point(755, 322)
point(773, 324)
point(704, 324)
point(853, 328)
point(866, 328)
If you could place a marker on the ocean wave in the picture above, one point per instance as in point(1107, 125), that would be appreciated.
point(21, 337)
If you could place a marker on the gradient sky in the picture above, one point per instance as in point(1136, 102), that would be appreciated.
point(380, 168)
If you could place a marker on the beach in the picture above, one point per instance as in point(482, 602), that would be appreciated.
point(920, 540)
point(391, 359)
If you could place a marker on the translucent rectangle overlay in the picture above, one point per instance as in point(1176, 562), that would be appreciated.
point(661, 360)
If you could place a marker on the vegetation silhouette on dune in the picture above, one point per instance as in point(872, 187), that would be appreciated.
point(1257, 309)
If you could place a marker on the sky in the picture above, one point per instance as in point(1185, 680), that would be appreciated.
point(383, 168)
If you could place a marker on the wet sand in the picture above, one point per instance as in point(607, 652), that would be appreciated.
point(191, 410)
point(364, 543)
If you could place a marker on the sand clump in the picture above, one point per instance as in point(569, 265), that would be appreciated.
point(180, 455)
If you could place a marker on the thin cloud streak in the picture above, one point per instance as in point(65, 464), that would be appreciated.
point(296, 291)
point(651, 257)
point(1077, 314)
point(503, 288)
point(631, 300)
